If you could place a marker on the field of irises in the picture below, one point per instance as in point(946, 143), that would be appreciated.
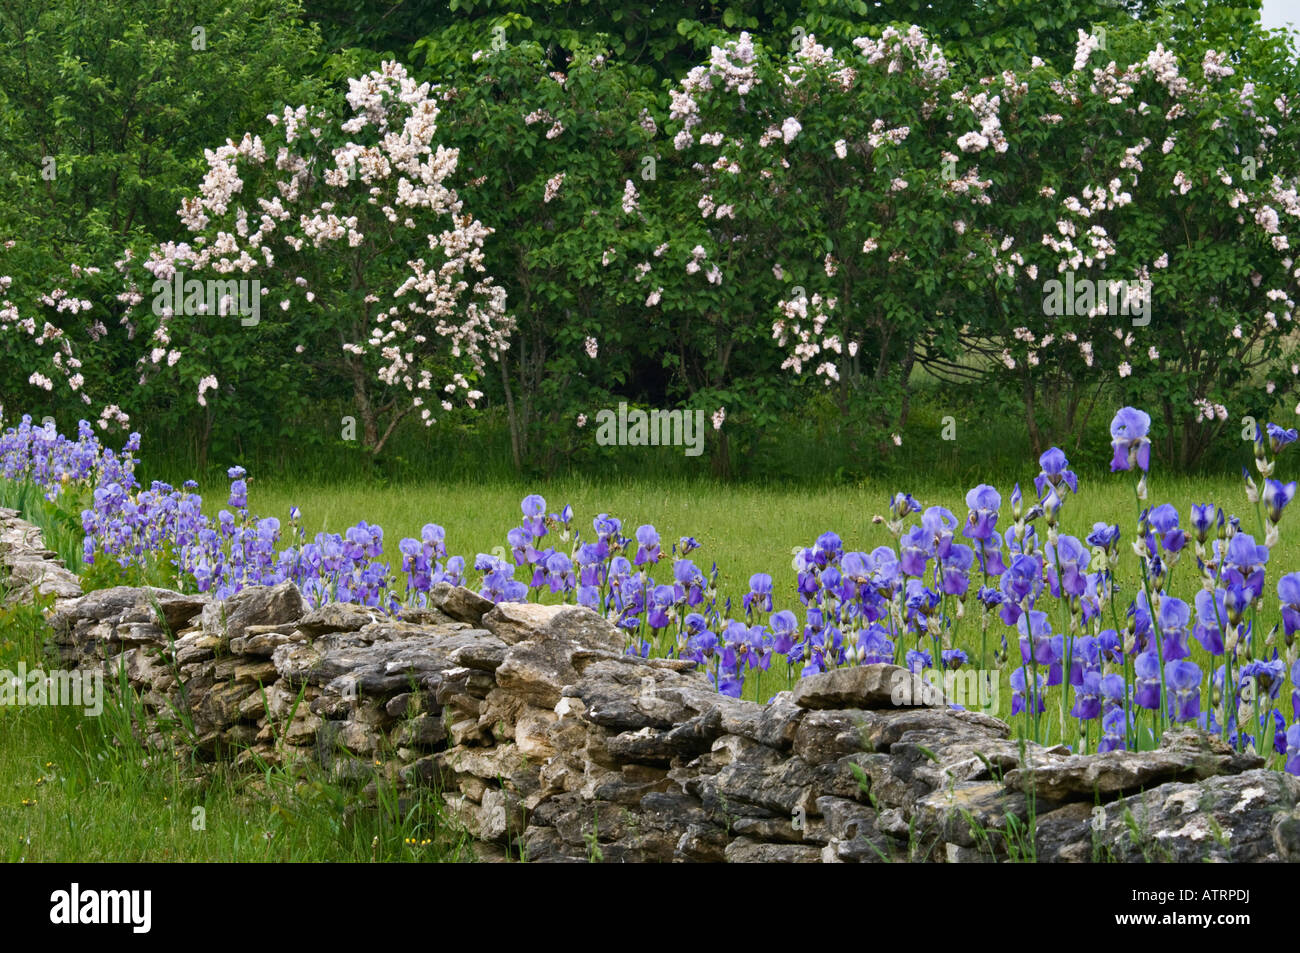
point(1153, 614)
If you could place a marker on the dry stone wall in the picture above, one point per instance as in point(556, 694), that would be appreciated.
point(547, 741)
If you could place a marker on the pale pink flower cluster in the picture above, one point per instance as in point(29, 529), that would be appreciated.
point(808, 341)
point(1209, 411)
point(393, 171)
point(206, 384)
point(62, 362)
point(1083, 49)
point(553, 187)
point(629, 197)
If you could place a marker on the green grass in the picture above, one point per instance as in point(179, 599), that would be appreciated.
point(75, 787)
point(744, 529)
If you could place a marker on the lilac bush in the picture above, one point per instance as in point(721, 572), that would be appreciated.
point(1002, 589)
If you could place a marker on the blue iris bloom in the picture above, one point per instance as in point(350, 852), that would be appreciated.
point(1276, 496)
point(1055, 472)
point(1128, 431)
point(1280, 437)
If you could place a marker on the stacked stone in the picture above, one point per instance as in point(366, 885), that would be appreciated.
point(27, 568)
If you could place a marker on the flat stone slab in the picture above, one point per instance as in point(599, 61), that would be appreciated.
point(879, 686)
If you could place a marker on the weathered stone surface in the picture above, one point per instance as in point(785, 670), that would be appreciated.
point(864, 686)
point(971, 814)
point(1104, 776)
point(337, 617)
point(1233, 819)
point(256, 605)
point(463, 605)
point(744, 850)
point(513, 622)
point(485, 653)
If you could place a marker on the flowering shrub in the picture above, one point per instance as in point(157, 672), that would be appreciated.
point(1040, 605)
point(365, 255)
point(1110, 160)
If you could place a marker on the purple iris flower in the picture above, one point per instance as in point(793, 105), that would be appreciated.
point(1128, 432)
point(918, 661)
point(1293, 749)
point(1276, 496)
point(1244, 554)
point(690, 580)
point(1110, 645)
point(1295, 690)
point(1104, 536)
point(1211, 614)
point(884, 570)
point(827, 549)
point(784, 626)
point(874, 645)
point(1280, 437)
point(521, 544)
point(914, 550)
point(956, 570)
point(1288, 592)
point(954, 658)
point(939, 525)
point(990, 555)
point(1112, 727)
point(1087, 704)
point(760, 593)
point(1069, 560)
point(1020, 546)
point(1019, 688)
point(434, 538)
point(1022, 580)
point(1146, 681)
point(607, 527)
point(239, 494)
point(1085, 656)
point(1164, 521)
point(1055, 472)
point(1268, 675)
point(901, 505)
point(1204, 516)
point(1183, 679)
point(1038, 644)
point(1279, 728)
point(983, 502)
point(661, 603)
point(686, 544)
point(648, 550)
point(1174, 616)
point(533, 506)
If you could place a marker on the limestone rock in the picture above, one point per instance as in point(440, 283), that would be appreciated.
point(866, 686)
